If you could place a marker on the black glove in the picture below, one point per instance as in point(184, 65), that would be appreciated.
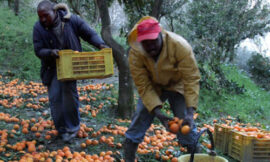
point(54, 53)
point(101, 46)
point(188, 120)
point(163, 118)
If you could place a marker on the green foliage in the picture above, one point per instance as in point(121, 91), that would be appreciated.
point(139, 8)
point(214, 79)
point(259, 67)
point(215, 28)
point(136, 9)
point(251, 106)
point(16, 54)
point(226, 23)
point(85, 8)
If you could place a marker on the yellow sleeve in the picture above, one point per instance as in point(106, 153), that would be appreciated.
point(142, 81)
point(189, 71)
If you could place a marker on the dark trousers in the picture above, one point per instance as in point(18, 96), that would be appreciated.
point(64, 105)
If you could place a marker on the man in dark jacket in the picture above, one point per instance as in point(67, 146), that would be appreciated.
point(57, 29)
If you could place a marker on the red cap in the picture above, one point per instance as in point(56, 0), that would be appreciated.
point(148, 29)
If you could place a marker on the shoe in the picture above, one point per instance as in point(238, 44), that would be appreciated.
point(130, 149)
point(72, 135)
point(65, 137)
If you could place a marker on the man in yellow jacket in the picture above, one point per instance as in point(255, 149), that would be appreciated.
point(163, 67)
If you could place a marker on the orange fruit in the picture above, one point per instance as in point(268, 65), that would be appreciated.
point(83, 145)
point(165, 158)
point(171, 122)
point(31, 147)
point(175, 119)
point(16, 126)
point(185, 130)
point(25, 130)
point(182, 149)
point(95, 142)
point(174, 128)
point(260, 135)
point(38, 134)
point(174, 159)
point(88, 142)
point(47, 137)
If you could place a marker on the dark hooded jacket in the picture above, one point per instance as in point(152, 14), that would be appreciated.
point(73, 27)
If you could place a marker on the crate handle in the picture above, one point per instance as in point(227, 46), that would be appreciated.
point(212, 152)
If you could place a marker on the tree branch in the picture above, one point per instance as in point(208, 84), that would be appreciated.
point(156, 8)
point(75, 8)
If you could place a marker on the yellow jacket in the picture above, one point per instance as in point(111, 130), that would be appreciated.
point(175, 70)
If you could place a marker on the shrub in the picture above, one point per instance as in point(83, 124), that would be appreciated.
point(259, 67)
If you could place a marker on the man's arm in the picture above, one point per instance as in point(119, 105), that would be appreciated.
point(189, 71)
point(88, 34)
point(142, 81)
point(190, 78)
point(39, 49)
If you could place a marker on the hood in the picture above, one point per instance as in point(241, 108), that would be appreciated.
point(132, 36)
point(63, 8)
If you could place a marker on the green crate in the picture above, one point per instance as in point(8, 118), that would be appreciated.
point(74, 65)
point(222, 135)
point(249, 148)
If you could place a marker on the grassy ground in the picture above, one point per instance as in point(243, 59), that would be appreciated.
point(251, 106)
point(16, 53)
point(24, 105)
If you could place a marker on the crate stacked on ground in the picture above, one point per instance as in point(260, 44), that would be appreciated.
point(222, 135)
point(250, 145)
point(74, 65)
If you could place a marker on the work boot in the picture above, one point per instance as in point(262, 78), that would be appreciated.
point(65, 137)
point(130, 149)
point(72, 135)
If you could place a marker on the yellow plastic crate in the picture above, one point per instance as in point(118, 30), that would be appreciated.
point(73, 65)
point(248, 148)
point(222, 136)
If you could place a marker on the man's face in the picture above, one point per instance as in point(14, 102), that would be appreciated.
point(153, 47)
point(46, 17)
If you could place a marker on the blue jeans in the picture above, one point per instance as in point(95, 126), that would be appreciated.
point(142, 119)
point(64, 105)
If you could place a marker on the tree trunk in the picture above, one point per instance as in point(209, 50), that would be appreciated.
point(9, 3)
point(96, 12)
point(16, 7)
point(156, 8)
point(125, 97)
point(171, 23)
